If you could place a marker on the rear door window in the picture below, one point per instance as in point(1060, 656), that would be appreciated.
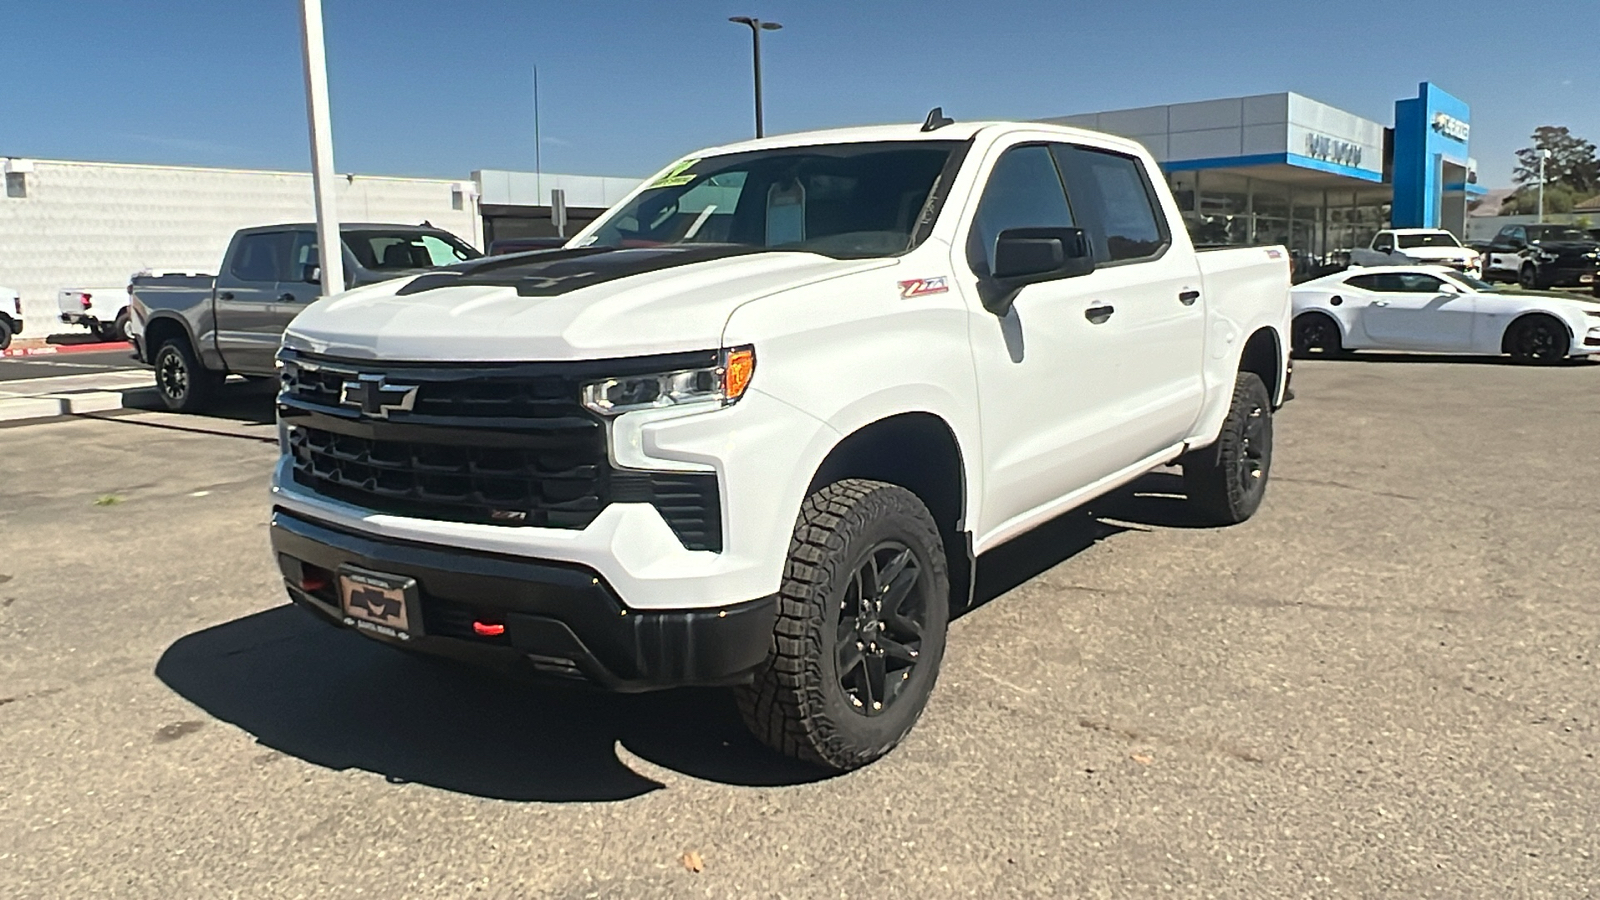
point(1115, 203)
point(262, 257)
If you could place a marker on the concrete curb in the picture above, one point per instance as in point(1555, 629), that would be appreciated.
point(51, 406)
point(49, 349)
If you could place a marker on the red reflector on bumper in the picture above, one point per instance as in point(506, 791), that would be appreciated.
point(488, 629)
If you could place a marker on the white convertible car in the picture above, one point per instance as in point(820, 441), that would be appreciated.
point(1434, 308)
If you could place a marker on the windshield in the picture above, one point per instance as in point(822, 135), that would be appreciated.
point(381, 251)
point(839, 200)
point(1555, 234)
point(1481, 287)
point(1435, 239)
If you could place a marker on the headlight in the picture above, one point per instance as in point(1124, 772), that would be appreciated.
point(723, 384)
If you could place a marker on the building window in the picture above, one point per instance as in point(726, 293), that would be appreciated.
point(16, 184)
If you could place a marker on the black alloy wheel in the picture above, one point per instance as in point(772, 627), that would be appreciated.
point(1315, 332)
point(184, 385)
point(172, 376)
point(881, 618)
point(860, 633)
point(1227, 480)
point(1539, 340)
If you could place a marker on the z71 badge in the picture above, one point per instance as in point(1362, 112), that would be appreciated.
point(917, 287)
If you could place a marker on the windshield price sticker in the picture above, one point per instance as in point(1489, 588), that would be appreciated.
point(678, 175)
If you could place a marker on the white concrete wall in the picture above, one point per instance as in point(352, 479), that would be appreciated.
point(529, 189)
point(91, 225)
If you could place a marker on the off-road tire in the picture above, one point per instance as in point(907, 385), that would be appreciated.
point(1315, 333)
point(1226, 481)
point(797, 704)
point(1538, 340)
point(182, 382)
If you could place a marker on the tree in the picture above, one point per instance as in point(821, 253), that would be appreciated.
point(1558, 198)
point(1572, 162)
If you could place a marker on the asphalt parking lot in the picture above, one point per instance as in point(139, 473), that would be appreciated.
point(1383, 685)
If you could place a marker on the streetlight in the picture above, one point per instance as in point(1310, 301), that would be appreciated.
point(756, 27)
point(1544, 154)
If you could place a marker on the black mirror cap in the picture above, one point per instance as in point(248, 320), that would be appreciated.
point(311, 275)
point(1025, 255)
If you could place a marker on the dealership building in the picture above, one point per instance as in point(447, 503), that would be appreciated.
point(1284, 168)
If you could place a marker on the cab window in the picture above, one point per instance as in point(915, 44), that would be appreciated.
point(1024, 191)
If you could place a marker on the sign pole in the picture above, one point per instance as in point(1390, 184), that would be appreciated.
point(331, 249)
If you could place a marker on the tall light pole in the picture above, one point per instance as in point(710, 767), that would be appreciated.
point(331, 255)
point(1544, 154)
point(756, 27)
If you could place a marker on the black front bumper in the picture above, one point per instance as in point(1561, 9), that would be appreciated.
point(560, 618)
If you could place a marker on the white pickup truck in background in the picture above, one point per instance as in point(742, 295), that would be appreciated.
point(10, 315)
point(754, 425)
point(102, 310)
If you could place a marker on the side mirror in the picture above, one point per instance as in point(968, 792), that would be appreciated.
point(1024, 256)
point(1448, 288)
point(311, 274)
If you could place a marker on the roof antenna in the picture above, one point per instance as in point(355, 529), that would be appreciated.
point(936, 119)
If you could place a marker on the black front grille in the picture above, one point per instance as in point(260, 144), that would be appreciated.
point(494, 444)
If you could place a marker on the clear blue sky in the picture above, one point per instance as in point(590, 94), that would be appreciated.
point(441, 87)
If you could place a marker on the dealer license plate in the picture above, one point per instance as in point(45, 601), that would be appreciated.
point(380, 604)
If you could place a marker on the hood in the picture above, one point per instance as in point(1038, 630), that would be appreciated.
point(1567, 246)
point(577, 304)
point(1439, 252)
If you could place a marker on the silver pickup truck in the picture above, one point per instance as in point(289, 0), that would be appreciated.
point(195, 330)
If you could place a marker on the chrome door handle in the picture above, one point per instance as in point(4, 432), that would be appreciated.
point(1187, 298)
point(1099, 314)
point(1380, 303)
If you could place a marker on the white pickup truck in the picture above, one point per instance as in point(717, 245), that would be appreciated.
point(755, 424)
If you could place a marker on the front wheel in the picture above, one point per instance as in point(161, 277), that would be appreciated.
point(862, 613)
point(5, 332)
point(1227, 480)
point(1528, 279)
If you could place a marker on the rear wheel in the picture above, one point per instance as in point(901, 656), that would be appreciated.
point(863, 608)
point(5, 332)
point(1537, 340)
point(1315, 332)
point(1227, 480)
point(184, 384)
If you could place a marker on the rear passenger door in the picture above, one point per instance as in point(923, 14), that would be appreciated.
point(1155, 336)
point(247, 294)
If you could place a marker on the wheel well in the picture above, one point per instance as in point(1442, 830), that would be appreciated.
point(159, 331)
point(1511, 327)
point(917, 451)
point(1263, 355)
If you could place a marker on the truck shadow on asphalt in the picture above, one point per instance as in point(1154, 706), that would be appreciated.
point(249, 402)
point(1387, 356)
point(340, 701)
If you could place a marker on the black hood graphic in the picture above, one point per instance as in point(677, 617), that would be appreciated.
point(557, 272)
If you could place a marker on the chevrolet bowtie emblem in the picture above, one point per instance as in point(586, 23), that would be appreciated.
point(376, 398)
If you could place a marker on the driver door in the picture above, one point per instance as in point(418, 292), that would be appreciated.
point(1419, 311)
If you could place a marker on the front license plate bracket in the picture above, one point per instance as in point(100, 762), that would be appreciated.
point(380, 604)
